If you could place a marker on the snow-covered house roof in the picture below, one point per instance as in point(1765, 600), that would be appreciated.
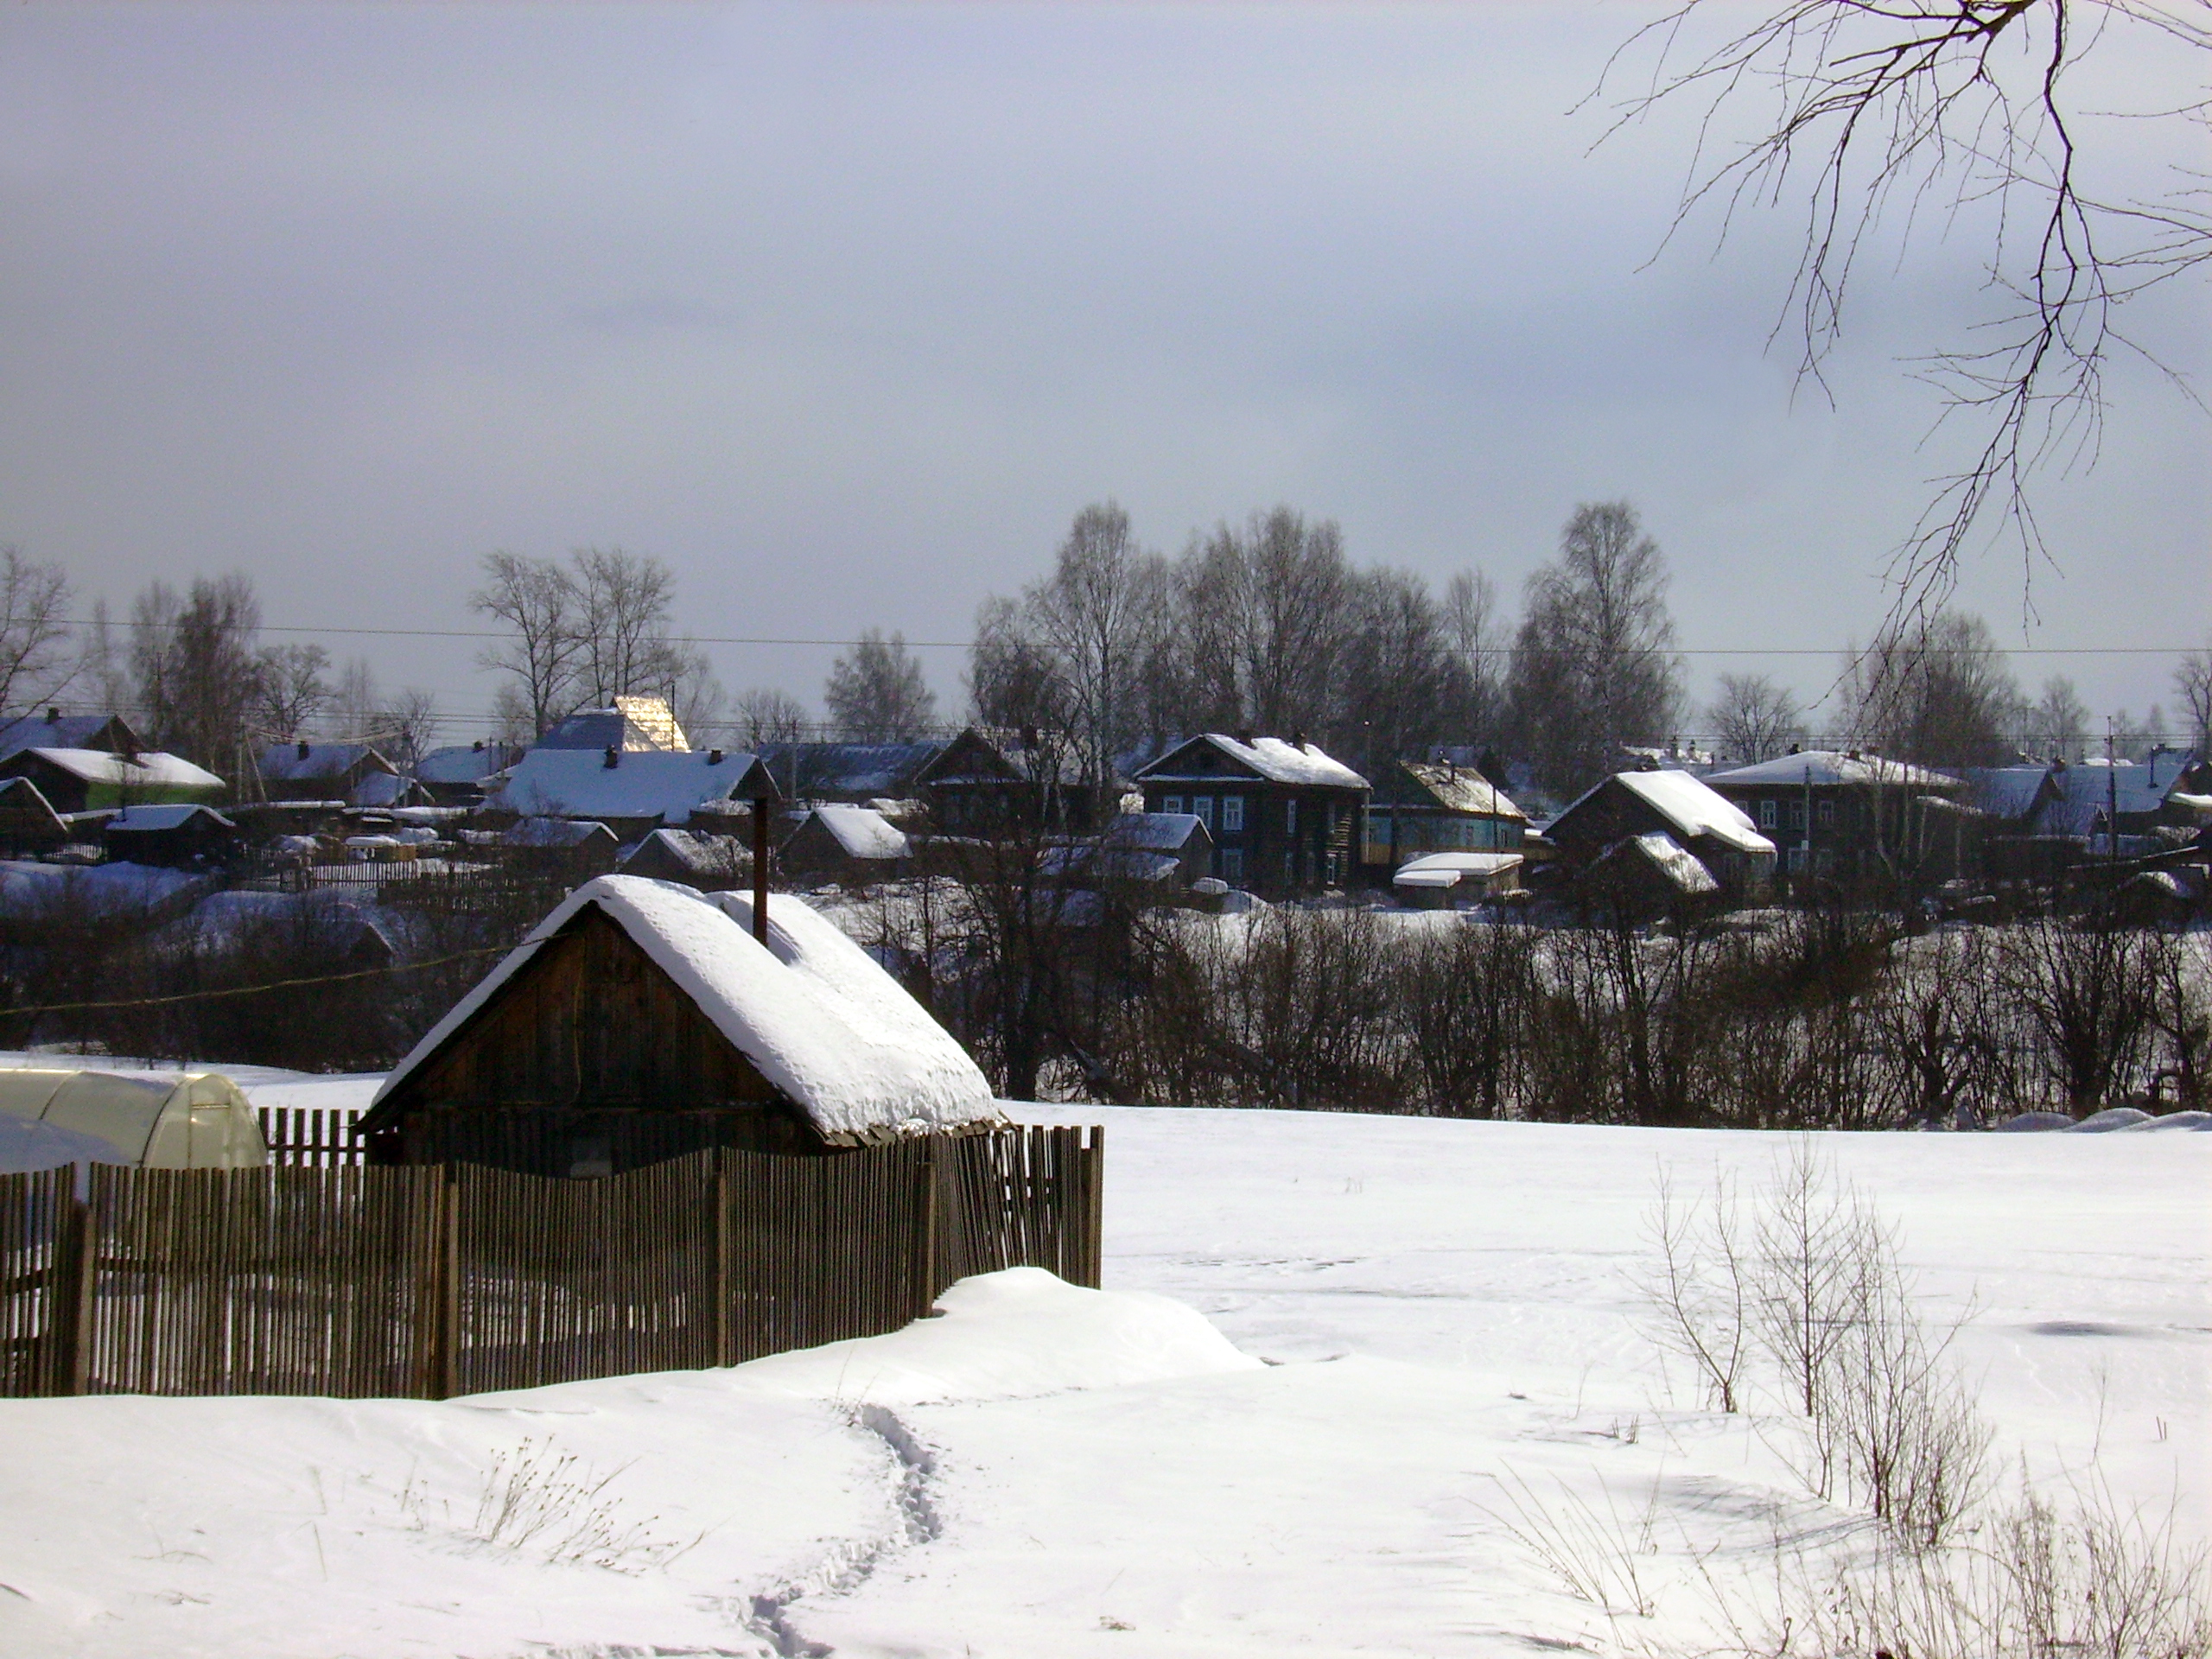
point(1695, 809)
point(647, 784)
point(1461, 789)
point(638, 725)
point(858, 771)
point(1268, 758)
point(465, 763)
point(2008, 792)
point(1829, 768)
point(153, 769)
point(862, 832)
point(55, 729)
point(294, 763)
point(814, 1014)
point(680, 853)
point(1443, 871)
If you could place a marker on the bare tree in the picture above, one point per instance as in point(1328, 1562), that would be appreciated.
point(2057, 723)
point(196, 672)
point(1896, 104)
point(1932, 689)
point(34, 631)
point(623, 647)
point(875, 692)
point(1754, 719)
point(1265, 626)
point(1401, 682)
point(1097, 616)
point(1011, 679)
point(1593, 664)
point(357, 703)
point(768, 715)
point(291, 689)
point(1477, 638)
point(2193, 685)
point(538, 603)
point(407, 728)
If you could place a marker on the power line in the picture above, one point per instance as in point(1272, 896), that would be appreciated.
point(257, 991)
point(965, 645)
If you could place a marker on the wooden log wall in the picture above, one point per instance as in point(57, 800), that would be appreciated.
point(431, 1280)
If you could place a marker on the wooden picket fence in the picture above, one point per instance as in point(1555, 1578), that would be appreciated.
point(429, 1281)
point(314, 1137)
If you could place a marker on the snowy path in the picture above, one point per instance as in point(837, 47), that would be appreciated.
point(1046, 1472)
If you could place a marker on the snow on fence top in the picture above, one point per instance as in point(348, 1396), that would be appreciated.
point(812, 1011)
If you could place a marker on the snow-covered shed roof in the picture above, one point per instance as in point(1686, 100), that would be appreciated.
point(1683, 870)
point(1157, 832)
point(701, 856)
point(864, 769)
point(862, 832)
point(308, 762)
point(1456, 863)
point(1829, 767)
point(131, 820)
point(2094, 782)
point(2008, 792)
point(555, 832)
point(814, 1012)
point(642, 784)
point(1695, 808)
point(1270, 758)
point(131, 772)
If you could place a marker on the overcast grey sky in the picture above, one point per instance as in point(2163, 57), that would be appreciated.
point(844, 310)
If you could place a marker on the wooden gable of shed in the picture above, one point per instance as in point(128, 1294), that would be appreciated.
point(592, 1023)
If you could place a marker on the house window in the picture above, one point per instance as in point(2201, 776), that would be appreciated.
point(1171, 803)
point(1827, 811)
point(1766, 815)
point(1797, 815)
point(1232, 815)
point(1232, 865)
point(1290, 817)
point(1202, 809)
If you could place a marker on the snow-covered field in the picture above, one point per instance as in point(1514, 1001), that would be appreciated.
point(1413, 1332)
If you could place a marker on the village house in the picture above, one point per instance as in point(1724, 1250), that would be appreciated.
point(853, 844)
point(988, 784)
point(641, 1020)
point(1844, 815)
point(352, 773)
point(633, 725)
point(111, 733)
point(87, 780)
point(1713, 832)
point(709, 863)
point(1420, 807)
point(1169, 851)
point(454, 776)
point(631, 791)
point(854, 774)
point(1283, 816)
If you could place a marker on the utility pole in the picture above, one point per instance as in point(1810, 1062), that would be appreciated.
point(2112, 797)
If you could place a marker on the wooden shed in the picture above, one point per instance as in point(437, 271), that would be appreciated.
point(642, 1021)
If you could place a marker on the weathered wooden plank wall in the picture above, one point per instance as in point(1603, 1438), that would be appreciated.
point(431, 1280)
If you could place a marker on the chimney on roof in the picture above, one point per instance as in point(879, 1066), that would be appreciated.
point(304, 746)
point(1244, 736)
point(1297, 738)
point(612, 758)
point(713, 756)
point(53, 715)
point(1793, 748)
point(478, 745)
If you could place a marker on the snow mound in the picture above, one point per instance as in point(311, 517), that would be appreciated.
point(2170, 1120)
point(1002, 1336)
point(28, 1144)
point(2035, 1123)
point(2119, 1117)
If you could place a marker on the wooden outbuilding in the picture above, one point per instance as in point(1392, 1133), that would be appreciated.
point(642, 1021)
point(88, 780)
point(854, 844)
point(1707, 826)
point(28, 823)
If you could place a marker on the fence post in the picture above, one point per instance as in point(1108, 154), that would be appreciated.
point(449, 1308)
point(1094, 1208)
point(926, 1284)
point(725, 1325)
point(75, 1263)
